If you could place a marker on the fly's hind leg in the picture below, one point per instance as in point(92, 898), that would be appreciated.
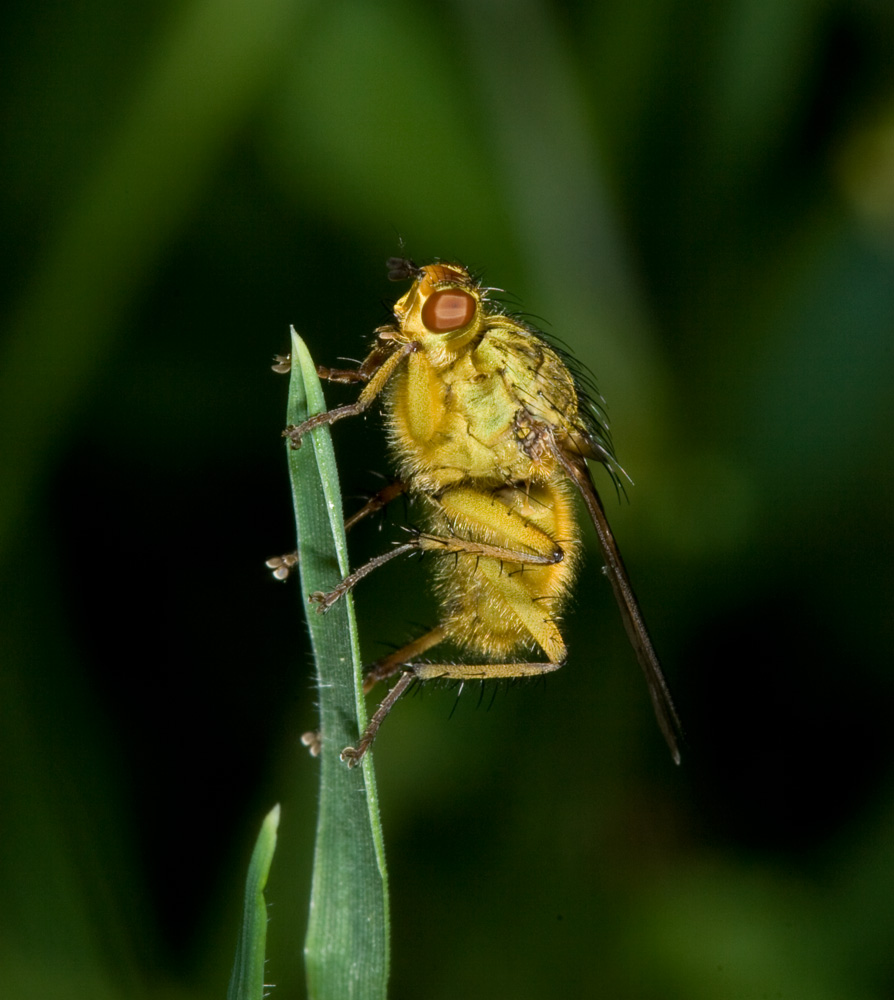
point(411, 672)
point(389, 665)
point(542, 630)
point(381, 670)
point(353, 755)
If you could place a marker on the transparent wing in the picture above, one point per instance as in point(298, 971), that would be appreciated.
point(668, 720)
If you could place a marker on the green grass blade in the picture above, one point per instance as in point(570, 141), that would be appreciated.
point(247, 979)
point(346, 949)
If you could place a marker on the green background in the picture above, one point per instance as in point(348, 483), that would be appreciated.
point(698, 200)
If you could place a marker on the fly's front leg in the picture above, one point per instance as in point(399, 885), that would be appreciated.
point(370, 365)
point(384, 369)
point(379, 354)
point(347, 375)
point(378, 367)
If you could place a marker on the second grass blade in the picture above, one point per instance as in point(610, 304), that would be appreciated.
point(247, 979)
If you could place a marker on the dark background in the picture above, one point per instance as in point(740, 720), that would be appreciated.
point(698, 199)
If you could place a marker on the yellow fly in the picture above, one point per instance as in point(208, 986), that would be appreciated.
point(491, 432)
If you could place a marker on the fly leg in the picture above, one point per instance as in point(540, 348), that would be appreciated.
point(282, 566)
point(381, 670)
point(389, 665)
point(363, 373)
point(352, 755)
point(398, 661)
point(377, 502)
point(384, 370)
point(424, 542)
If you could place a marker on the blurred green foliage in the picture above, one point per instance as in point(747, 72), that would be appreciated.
point(698, 199)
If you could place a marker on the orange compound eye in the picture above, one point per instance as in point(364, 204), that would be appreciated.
point(448, 310)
